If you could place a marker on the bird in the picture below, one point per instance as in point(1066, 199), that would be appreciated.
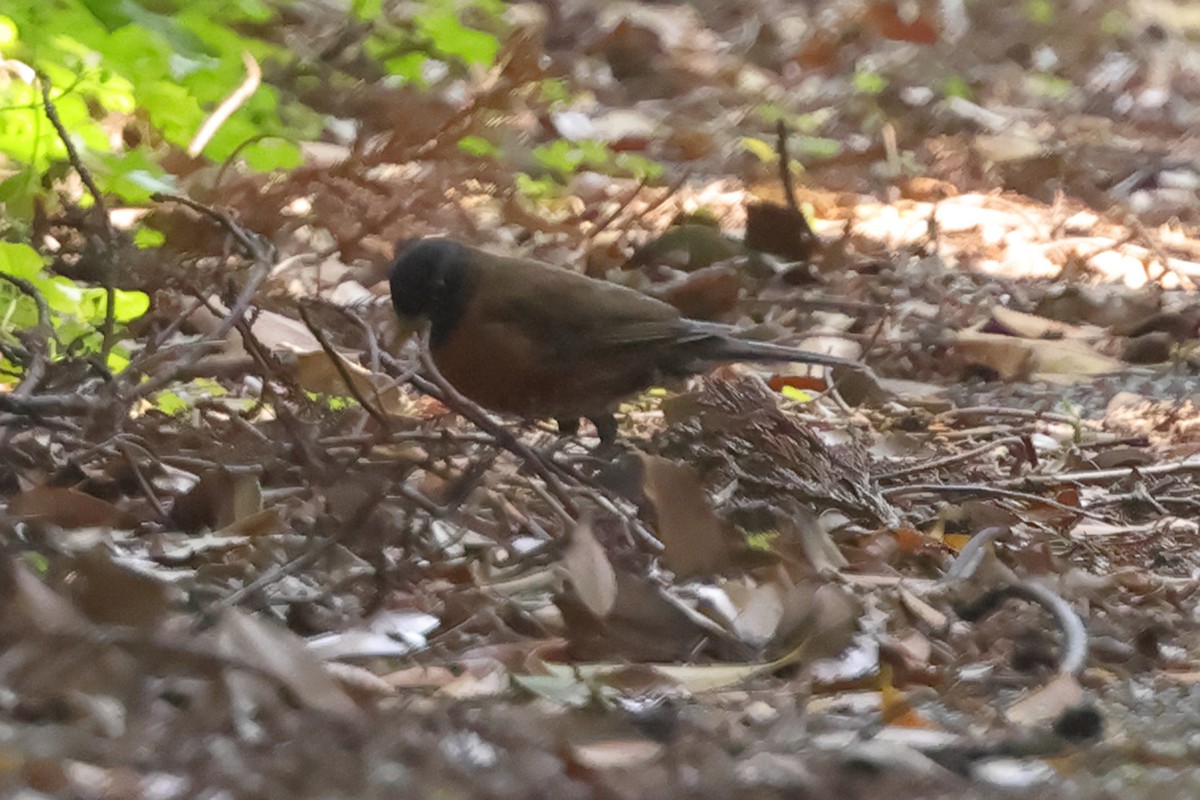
point(523, 337)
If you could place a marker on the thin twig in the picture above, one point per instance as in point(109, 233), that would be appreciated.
point(254, 247)
point(946, 461)
point(259, 274)
point(1074, 645)
point(979, 489)
point(147, 488)
point(101, 212)
point(1001, 411)
point(611, 217)
point(666, 195)
point(785, 168)
point(1107, 475)
point(44, 331)
point(442, 388)
point(343, 373)
point(229, 105)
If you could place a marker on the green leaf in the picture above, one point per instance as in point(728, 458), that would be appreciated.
point(1051, 86)
point(818, 147)
point(183, 397)
point(169, 403)
point(127, 305)
point(957, 86)
point(450, 37)
point(146, 238)
point(61, 294)
point(367, 10)
point(408, 67)
point(8, 32)
point(554, 90)
point(537, 188)
point(764, 151)
point(870, 83)
point(117, 360)
point(799, 395)
point(640, 167)
point(478, 146)
point(1040, 11)
point(271, 154)
point(20, 260)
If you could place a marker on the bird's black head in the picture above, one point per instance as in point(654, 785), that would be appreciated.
point(430, 280)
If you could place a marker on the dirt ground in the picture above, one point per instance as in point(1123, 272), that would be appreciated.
point(279, 557)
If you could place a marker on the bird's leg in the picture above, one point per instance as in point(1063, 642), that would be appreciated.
point(606, 428)
point(568, 426)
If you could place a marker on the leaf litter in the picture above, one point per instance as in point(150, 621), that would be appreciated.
point(977, 573)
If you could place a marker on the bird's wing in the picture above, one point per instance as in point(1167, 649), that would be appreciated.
point(578, 317)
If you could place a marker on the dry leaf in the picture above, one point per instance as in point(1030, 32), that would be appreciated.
point(316, 373)
point(695, 541)
point(591, 573)
point(1047, 703)
point(1031, 326)
point(283, 655)
point(616, 753)
point(113, 595)
point(27, 604)
point(68, 508)
point(218, 500)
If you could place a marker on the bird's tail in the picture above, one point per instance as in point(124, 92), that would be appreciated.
point(733, 349)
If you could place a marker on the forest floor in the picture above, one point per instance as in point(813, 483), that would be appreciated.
point(272, 567)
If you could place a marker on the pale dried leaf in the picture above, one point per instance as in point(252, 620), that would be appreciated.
point(1046, 703)
point(695, 541)
point(283, 655)
point(590, 571)
point(68, 508)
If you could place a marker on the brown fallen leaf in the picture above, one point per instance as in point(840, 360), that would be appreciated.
point(218, 500)
point(591, 573)
point(69, 508)
point(695, 541)
point(114, 595)
point(281, 654)
point(1046, 703)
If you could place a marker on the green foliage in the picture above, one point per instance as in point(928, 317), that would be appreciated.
point(435, 36)
point(554, 91)
point(451, 38)
point(761, 149)
point(132, 81)
point(1115, 22)
point(560, 159)
point(334, 402)
point(185, 396)
point(76, 312)
point(146, 238)
point(811, 122)
point(479, 146)
point(1040, 11)
point(804, 147)
point(957, 86)
point(171, 62)
point(38, 562)
point(1050, 86)
point(543, 188)
point(869, 83)
point(762, 541)
point(799, 395)
point(565, 158)
point(815, 147)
